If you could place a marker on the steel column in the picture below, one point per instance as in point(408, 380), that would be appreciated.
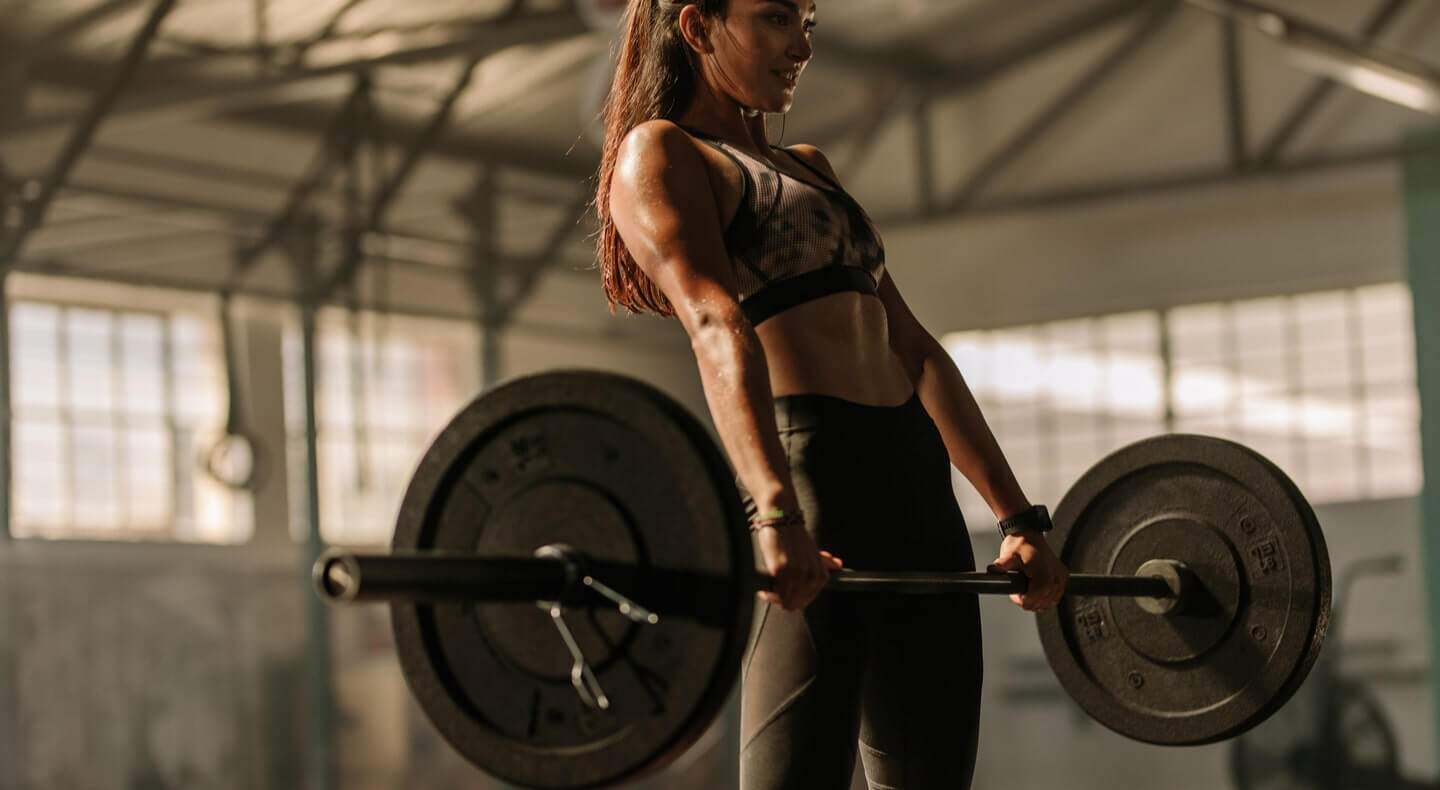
point(320, 756)
point(1422, 215)
point(1234, 92)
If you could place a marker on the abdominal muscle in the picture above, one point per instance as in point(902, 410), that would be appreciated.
point(836, 345)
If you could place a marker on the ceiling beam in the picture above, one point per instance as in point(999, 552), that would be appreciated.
point(1321, 89)
point(1164, 183)
point(1073, 96)
point(34, 208)
point(213, 96)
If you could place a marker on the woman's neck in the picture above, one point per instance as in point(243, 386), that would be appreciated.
point(726, 119)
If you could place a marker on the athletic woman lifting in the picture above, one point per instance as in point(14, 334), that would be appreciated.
point(841, 414)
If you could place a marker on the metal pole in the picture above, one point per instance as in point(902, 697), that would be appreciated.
point(1422, 228)
point(341, 576)
point(320, 747)
point(7, 476)
point(319, 766)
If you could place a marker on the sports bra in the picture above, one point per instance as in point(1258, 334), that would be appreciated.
point(791, 241)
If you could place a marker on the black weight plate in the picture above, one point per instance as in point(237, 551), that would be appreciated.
point(619, 471)
point(1240, 647)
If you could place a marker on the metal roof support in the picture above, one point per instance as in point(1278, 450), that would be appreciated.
point(933, 81)
point(923, 126)
point(480, 209)
point(319, 768)
point(1035, 45)
point(1322, 88)
point(34, 209)
point(388, 191)
point(213, 97)
point(1233, 77)
point(326, 30)
point(60, 35)
point(885, 97)
point(528, 271)
point(319, 173)
point(1151, 22)
point(1177, 182)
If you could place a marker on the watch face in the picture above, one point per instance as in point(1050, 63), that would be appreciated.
point(565, 696)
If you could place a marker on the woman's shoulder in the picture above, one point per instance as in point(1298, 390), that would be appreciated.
point(812, 156)
point(657, 138)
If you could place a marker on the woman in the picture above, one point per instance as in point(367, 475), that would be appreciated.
point(839, 412)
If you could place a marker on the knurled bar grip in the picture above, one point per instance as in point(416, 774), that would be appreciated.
point(345, 576)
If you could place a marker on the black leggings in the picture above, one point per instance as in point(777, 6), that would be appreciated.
point(900, 675)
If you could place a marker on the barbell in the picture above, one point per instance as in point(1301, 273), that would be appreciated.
point(572, 584)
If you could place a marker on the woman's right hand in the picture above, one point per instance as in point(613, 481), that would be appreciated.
point(800, 568)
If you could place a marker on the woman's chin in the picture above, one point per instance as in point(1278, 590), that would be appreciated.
point(776, 104)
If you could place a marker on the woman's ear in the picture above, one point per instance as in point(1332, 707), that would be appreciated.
point(693, 28)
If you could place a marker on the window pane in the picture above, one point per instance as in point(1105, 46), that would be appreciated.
point(112, 457)
point(1197, 334)
point(90, 364)
point(96, 493)
point(40, 480)
point(142, 354)
point(148, 478)
point(35, 356)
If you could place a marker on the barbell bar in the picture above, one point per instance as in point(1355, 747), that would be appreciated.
point(342, 576)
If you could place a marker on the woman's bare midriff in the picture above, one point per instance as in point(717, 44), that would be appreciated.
point(836, 345)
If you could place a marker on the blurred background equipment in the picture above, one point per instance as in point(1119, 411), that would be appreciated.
point(1122, 218)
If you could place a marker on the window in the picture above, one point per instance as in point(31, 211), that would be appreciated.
point(1323, 384)
point(385, 386)
point(112, 409)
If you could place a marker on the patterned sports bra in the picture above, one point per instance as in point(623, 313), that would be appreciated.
point(792, 241)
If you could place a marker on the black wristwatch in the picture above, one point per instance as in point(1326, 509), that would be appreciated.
point(1037, 519)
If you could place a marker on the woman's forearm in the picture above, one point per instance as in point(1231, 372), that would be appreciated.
point(968, 439)
point(736, 381)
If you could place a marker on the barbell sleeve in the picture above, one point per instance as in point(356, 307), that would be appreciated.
point(345, 576)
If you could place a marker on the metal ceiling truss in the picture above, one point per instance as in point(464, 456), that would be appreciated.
point(1232, 78)
point(212, 97)
point(34, 207)
point(1306, 107)
point(904, 83)
point(1242, 165)
point(388, 191)
point(1152, 20)
point(316, 177)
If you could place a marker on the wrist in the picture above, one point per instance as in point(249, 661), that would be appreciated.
point(1032, 523)
point(778, 499)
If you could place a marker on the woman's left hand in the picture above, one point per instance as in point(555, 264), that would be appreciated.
point(1029, 553)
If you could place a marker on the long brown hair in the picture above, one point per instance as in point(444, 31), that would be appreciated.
point(654, 78)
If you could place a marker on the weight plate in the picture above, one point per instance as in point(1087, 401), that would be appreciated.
point(617, 470)
point(1238, 647)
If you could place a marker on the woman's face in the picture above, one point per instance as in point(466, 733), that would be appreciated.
point(759, 50)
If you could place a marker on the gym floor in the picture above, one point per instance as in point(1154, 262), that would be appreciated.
point(255, 255)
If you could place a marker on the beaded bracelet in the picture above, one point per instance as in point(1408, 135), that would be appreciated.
point(776, 518)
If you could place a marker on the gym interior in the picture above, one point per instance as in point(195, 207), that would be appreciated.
point(256, 254)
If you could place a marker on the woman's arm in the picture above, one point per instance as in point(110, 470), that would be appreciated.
point(968, 439)
point(972, 447)
point(665, 210)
